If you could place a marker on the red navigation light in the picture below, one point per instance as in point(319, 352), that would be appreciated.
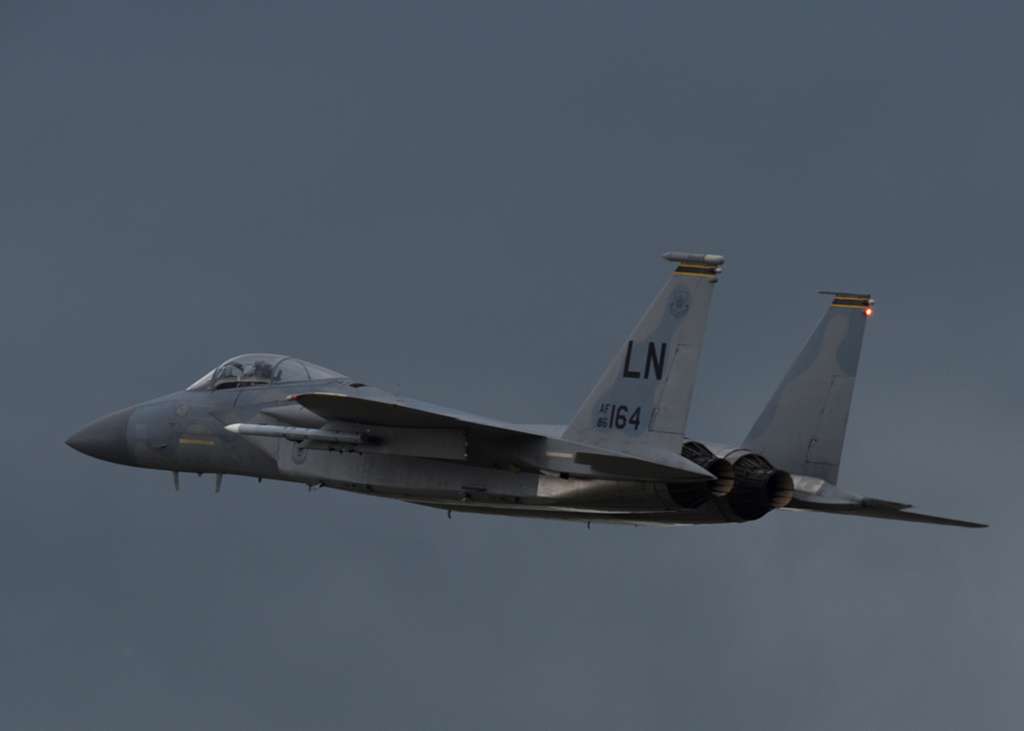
point(868, 312)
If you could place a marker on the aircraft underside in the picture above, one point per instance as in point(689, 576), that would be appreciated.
point(668, 518)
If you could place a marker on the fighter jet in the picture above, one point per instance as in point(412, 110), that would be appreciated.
point(624, 458)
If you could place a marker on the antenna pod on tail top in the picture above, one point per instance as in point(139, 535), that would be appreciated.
point(851, 300)
point(696, 265)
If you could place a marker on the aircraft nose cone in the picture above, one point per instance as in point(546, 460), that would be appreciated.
point(106, 438)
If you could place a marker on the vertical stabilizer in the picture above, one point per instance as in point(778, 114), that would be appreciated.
point(643, 398)
point(801, 430)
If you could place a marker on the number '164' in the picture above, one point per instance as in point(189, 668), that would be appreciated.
point(622, 418)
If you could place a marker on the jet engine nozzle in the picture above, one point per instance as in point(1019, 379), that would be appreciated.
point(720, 468)
point(760, 488)
point(692, 495)
point(747, 485)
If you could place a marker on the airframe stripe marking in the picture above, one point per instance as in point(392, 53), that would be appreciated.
point(197, 442)
point(852, 307)
point(560, 455)
point(694, 274)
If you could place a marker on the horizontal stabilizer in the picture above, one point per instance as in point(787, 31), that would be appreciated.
point(873, 508)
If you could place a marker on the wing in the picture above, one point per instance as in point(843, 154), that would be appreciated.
point(387, 410)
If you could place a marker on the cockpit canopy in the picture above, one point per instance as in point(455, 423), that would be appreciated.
point(261, 369)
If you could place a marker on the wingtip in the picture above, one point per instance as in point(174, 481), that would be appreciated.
point(941, 520)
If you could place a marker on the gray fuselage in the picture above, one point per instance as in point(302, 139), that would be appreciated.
point(528, 471)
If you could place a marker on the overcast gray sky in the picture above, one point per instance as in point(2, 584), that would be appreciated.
point(466, 202)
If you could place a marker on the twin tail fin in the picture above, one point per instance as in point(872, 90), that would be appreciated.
point(643, 398)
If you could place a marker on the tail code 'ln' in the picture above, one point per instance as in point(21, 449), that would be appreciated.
point(643, 397)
